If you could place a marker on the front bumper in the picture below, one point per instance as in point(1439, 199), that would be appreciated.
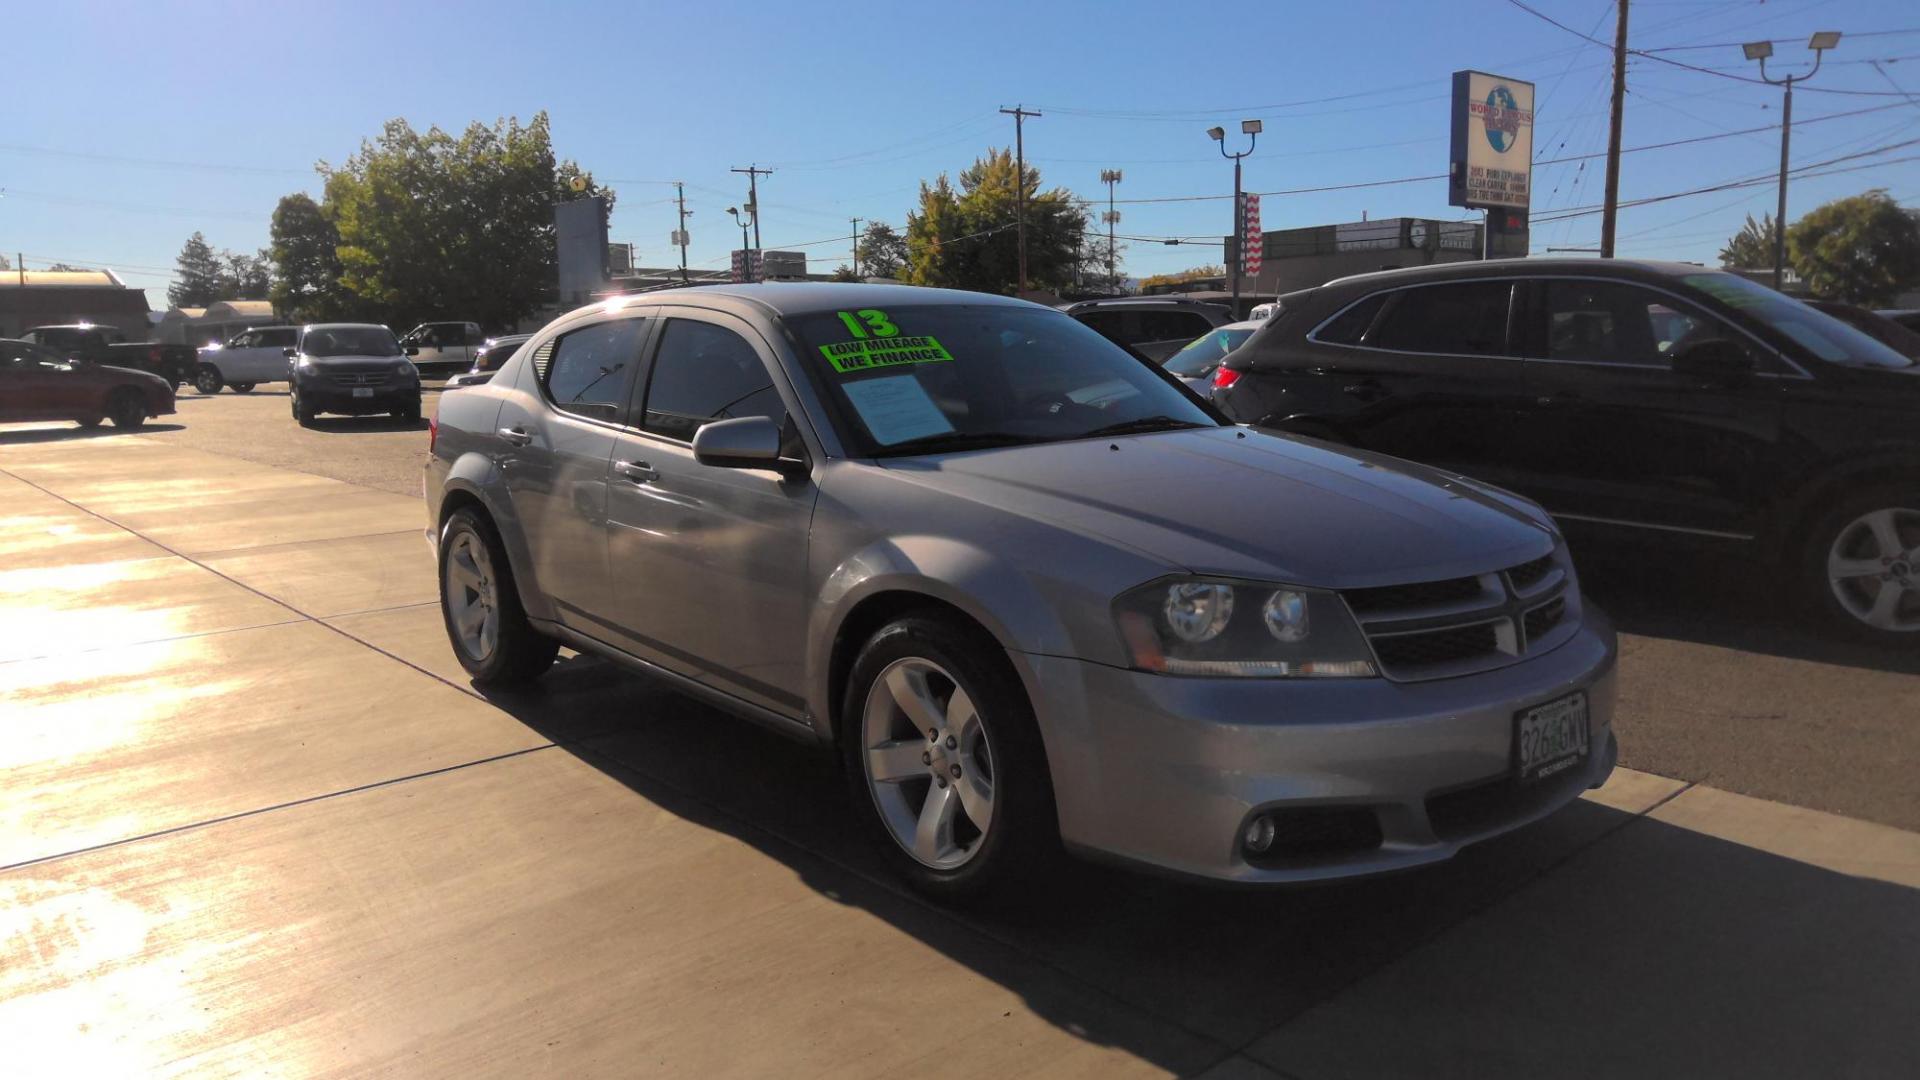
point(1169, 771)
point(326, 396)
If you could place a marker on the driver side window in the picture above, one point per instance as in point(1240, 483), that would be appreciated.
point(1608, 322)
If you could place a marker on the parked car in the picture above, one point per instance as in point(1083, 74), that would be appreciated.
point(252, 357)
point(353, 368)
point(443, 346)
point(1873, 324)
point(37, 383)
point(98, 343)
point(492, 353)
point(1658, 400)
point(1195, 364)
point(1909, 318)
point(1030, 589)
point(1154, 326)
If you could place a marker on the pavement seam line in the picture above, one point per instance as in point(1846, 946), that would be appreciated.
point(154, 641)
point(256, 811)
point(1477, 912)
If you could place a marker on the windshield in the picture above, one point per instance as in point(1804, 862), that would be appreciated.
point(1821, 334)
point(944, 377)
point(1205, 352)
point(350, 341)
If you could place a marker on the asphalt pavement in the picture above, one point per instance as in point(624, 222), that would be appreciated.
point(254, 821)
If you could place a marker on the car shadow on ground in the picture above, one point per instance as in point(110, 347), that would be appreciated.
point(1714, 598)
point(1595, 942)
point(28, 436)
point(349, 425)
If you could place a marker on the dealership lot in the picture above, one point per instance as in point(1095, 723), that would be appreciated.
point(254, 820)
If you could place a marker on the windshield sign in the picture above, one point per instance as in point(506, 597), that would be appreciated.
point(1821, 334)
point(948, 377)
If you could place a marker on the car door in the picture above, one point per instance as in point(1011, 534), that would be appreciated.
point(555, 434)
point(266, 358)
point(24, 383)
point(236, 359)
point(709, 564)
point(1612, 433)
point(1431, 376)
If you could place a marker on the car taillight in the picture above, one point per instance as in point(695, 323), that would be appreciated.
point(1224, 376)
point(433, 431)
point(153, 354)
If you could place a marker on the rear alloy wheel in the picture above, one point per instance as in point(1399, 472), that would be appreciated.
point(1867, 556)
point(242, 387)
point(485, 623)
point(206, 379)
point(126, 410)
point(945, 760)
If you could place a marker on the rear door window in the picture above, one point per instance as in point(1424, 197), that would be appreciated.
point(1350, 326)
point(1467, 318)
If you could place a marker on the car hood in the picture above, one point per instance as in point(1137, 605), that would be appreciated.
point(1243, 503)
point(343, 361)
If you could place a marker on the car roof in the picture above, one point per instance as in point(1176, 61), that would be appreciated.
point(786, 299)
point(1529, 267)
point(336, 326)
point(1138, 301)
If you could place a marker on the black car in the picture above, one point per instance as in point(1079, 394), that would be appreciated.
point(1156, 327)
point(1660, 400)
point(354, 368)
point(1873, 324)
point(487, 359)
point(1907, 317)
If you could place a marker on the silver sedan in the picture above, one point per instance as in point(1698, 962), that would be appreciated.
point(1036, 593)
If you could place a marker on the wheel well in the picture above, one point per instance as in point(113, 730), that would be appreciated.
point(1818, 497)
point(455, 501)
point(866, 619)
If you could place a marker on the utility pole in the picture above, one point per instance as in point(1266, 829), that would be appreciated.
point(856, 247)
point(1020, 114)
point(680, 236)
point(1610, 203)
point(754, 173)
point(1110, 177)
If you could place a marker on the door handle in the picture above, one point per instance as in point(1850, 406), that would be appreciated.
point(637, 471)
point(1367, 390)
point(516, 435)
point(1560, 397)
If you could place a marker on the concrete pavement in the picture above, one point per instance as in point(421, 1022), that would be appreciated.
point(252, 820)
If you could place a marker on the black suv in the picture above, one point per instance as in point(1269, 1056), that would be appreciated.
point(1156, 327)
point(1662, 400)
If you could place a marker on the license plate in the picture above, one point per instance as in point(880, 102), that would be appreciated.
point(1552, 738)
point(362, 391)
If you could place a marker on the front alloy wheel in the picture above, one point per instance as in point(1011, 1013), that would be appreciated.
point(1873, 569)
point(929, 763)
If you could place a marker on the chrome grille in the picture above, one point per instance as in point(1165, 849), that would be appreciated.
point(1458, 626)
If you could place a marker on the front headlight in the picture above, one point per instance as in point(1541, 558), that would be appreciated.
point(1215, 626)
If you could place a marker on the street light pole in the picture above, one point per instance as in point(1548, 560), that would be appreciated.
point(1250, 128)
point(748, 220)
point(1110, 177)
point(1761, 50)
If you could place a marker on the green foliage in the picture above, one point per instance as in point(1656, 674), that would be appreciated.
point(883, 251)
point(1195, 273)
point(432, 225)
point(61, 267)
point(966, 238)
point(1752, 247)
point(199, 275)
point(1864, 249)
point(306, 268)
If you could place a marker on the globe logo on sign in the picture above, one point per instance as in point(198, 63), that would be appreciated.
point(1501, 119)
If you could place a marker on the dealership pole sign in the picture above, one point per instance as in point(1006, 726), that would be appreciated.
point(1492, 160)
point(1252, 241)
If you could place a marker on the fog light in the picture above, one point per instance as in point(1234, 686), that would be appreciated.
point(1259, 834)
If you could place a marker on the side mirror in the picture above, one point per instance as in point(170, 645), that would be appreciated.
point(413, 350)
point(1713, 358)
point(746, 442)
point(290, 353)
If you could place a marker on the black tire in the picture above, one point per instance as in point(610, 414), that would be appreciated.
point(206, 379)
point(90, 421)
point(520, 653)
point(1023, 834)
point(1843, 531)
point(126, 410)
point(302, 412)
point(242, 387)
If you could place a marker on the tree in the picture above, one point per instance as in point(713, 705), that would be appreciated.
point(883, 252)
point(1752, 247)
point(431, 225)
point(967, 238)
point(199, 273)
point(1194, 273)
point(246, 277)
point(68, 268)
point(1864, 249)
point(306, 267)
point(5, 263)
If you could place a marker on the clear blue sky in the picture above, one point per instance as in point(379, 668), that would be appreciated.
point(131, 125)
